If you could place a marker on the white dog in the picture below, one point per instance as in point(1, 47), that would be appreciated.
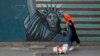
point(60, 49)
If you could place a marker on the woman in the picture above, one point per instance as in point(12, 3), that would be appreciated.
point(73, 37)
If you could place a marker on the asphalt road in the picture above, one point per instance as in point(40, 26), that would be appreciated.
point(81, 51)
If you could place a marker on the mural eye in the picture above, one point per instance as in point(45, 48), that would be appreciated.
point(49, 16)
point(54, 16)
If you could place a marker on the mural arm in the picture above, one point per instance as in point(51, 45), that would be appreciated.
point(31, 6)
point(31, 9)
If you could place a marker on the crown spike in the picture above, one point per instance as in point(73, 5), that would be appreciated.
point(42, 6)
point(51, 3)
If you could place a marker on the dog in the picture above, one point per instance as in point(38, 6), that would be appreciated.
point(60, 49)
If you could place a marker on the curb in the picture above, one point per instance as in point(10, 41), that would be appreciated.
point(41, 44)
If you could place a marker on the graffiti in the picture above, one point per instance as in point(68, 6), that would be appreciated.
point(44, 25)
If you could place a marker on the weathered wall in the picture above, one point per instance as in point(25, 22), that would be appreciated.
point(85, 13)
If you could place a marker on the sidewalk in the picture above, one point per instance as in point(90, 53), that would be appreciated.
point(45, 49)
point(81, 51)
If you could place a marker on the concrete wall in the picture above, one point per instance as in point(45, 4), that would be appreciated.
point(86, 14)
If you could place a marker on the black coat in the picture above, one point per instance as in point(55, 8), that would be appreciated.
point(74, 34)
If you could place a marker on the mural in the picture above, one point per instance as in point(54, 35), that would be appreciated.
point(21, 21)
point(43, 25)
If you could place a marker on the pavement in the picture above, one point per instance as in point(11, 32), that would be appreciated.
point(23, 51)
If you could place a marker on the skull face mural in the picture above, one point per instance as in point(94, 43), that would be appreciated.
point(52, 19)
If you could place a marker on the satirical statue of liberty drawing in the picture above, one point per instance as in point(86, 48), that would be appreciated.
point(44, 25)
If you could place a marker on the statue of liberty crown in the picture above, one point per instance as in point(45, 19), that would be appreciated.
point(51, 9)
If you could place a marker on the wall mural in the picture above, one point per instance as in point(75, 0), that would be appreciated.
point(21, 21)
point(43, 25)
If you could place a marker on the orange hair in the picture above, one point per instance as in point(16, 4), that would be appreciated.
point(67, 18)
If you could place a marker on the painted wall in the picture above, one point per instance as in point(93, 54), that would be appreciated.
point(85, 13)
point(12, 14)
